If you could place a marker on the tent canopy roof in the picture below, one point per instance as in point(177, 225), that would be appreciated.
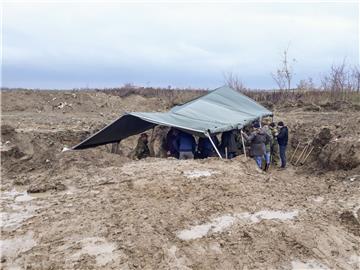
point(221, 110)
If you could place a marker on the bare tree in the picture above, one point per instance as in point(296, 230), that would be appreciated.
point(307, 85)
point(355, 79)
point(233, 81)
point(284, 74)
point(337, 81)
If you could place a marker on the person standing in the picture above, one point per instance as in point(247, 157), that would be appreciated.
point(228, 144)
point(268, 144)
point(274, 153)
point(205, 147)
point(282, 139)
point(171, 148)
point(258, 138)
point(186, 145)
point(142, 148)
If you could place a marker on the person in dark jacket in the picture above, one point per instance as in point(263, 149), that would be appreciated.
point(142, 148)
point(228, 143)
point(171, 148)
point(282, 139)
point(186, 145)
point(205, 147)
point(258, 139)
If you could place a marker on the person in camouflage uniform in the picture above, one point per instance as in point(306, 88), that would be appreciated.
point(268, 145)
point(142, 148)
point(274, 146)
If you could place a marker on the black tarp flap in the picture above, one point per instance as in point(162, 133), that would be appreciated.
point(125, 126)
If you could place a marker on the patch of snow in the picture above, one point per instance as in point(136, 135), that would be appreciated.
point(197, 174)
point(17, 196)
point(174, 261)
point(355, 211)
point(266, 214)
point(19, 210)
point(355, 260)
point(218, 225)
point(23, 197)
point(98, 247)
point(222, 223)
point(62, 105)
point(11, 248)
point(65, 149)
point(314, 265)
point(318, 199)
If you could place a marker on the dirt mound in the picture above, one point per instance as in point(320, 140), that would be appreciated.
point(9, 151)
point(25, 151)
point(73, 102)
point(7, 131)
point(321, 139)
point(349, 220)
point(69, 164)
point(340, 154)
point(340, 105)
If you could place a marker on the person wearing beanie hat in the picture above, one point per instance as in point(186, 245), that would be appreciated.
point(274, 147)
point(258, 138)
point(282, 139)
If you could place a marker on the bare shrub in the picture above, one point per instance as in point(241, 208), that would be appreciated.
point(342, 81)
point(171, 96)
point(234, 81)
point(306, 85)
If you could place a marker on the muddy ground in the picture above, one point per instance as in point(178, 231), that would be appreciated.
point(92, 209)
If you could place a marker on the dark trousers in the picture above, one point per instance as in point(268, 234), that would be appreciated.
point(282, 151)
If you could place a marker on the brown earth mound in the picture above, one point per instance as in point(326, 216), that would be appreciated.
point(340, 154)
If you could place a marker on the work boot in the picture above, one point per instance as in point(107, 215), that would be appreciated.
point(266, 167)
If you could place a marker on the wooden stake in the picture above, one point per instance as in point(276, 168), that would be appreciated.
point(305, 148)
point(293, 155)
point(312, 148)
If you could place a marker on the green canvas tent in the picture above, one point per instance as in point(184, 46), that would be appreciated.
point(221, 110)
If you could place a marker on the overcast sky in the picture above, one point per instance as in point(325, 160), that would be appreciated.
point(67, 45)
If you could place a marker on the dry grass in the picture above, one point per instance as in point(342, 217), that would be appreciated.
point(269, 98)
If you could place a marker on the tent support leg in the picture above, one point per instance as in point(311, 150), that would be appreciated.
point(213, 144)
point(115, 148)
point(243, 143)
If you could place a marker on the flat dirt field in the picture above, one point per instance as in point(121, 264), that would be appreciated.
point(92, 209)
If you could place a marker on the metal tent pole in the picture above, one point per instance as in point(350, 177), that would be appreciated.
point(213, 144)
point(243, 143)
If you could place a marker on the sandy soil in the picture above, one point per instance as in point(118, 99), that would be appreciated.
point(95, 210)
